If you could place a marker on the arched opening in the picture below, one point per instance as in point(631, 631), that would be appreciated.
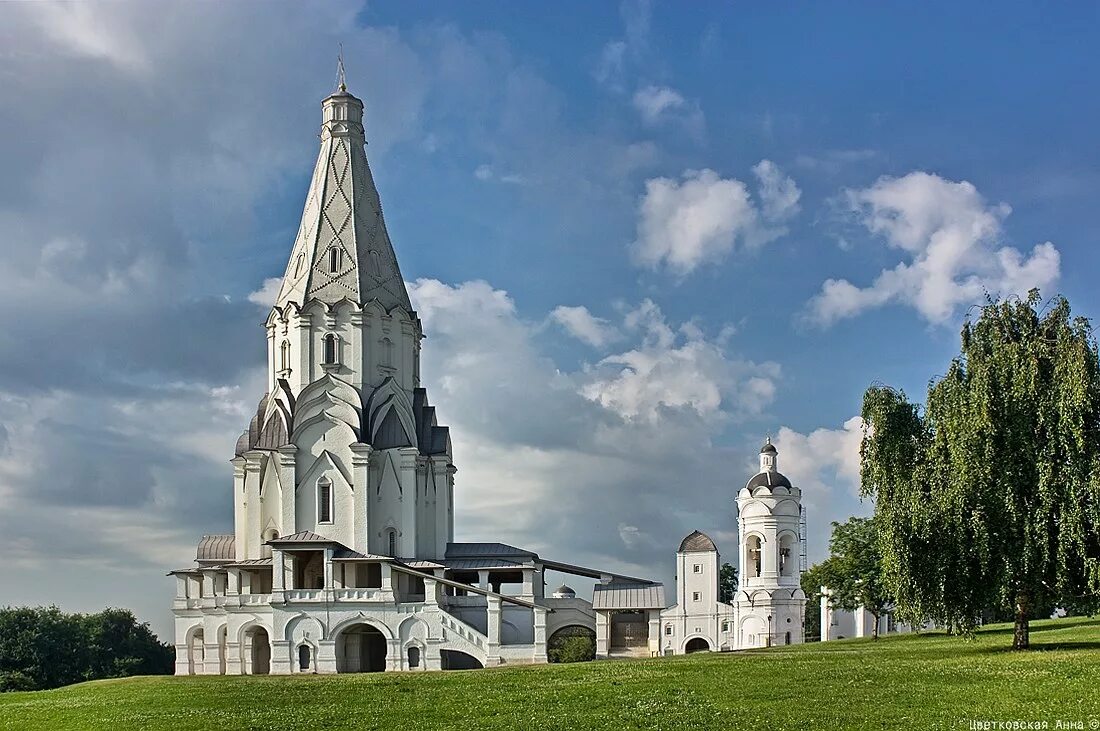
point(387, 353)
point(334, 260)
point(572, 644)
point(196, 652)
point(257, 651)
point(391, 542)
point(787, 640)
point(754, 557)
point(696, 644)
point(455, 660)
point(331, 348)
point(361, 648)
point(284, 356)
point(414, 657)
point(303, 658)
point(298, 264)
point(786, 555)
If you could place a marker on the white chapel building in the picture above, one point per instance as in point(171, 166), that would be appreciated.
point(343, 556)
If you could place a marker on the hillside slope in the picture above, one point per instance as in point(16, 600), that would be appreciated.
point(925, 681)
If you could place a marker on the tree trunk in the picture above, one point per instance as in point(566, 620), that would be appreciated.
point(874, 630)
point(1021, 634)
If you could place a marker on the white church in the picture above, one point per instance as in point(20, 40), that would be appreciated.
point(343, 556)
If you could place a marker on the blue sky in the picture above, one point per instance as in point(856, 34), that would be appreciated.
point(641, 237)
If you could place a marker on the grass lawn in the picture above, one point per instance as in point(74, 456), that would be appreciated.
point(914, 681)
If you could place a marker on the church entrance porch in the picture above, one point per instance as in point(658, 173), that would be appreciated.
point(361, 648)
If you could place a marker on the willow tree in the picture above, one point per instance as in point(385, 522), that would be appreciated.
point(990, 495)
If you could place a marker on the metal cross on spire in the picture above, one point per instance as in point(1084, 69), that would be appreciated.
point(341, 82)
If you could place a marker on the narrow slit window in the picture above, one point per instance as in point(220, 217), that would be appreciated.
point(330, 348)
point(392, 539)
point(334, 260)
point(324, 500)
point(284, 356)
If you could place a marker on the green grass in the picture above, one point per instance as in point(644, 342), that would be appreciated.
point(914, 681)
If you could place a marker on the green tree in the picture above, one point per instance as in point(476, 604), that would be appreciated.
point(43, 647)
point(991, 494)
point(812, 580)
point(727, 583)
point(853, 573)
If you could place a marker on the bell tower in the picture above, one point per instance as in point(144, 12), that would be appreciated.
point(769, 602)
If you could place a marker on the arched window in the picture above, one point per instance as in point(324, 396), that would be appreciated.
point(414, 657)
point(387, 352)
point(303, 658)
point(786, 561)
point(334, 260)
point(331, 349)
point(324, 500)
point(755, 557)
point(301, 261)
point(284, 356)
point(391, 542)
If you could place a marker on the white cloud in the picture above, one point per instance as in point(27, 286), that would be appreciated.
point(267, 293)
point(619, 54)
point(545, 454)
point(825, 465)
point(653, 101)
point(685, 223)
point(583, 325)
point(950, 236)
point(677, 370)
point(660, 104)
point(779, 195)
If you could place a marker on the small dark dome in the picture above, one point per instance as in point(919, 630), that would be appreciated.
point(696, 542)
point(768, 447)
point(769, 479)
point(564, 592)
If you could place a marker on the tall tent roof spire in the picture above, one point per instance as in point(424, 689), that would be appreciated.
point(343, 250)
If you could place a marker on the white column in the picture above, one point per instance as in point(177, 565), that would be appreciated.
point(603, 634)
point(431, 592)
point(493, 620)
point(540, 634)
point(360, 484)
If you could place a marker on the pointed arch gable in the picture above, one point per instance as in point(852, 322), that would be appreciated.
point(303, 427)
point(388, 468)
point(384, 399)
point(327, 463)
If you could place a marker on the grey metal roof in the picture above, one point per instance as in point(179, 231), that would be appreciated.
point(628, 596)
point(249, 563)
point(768, 447)
point(421, 563)
point(568, 568)
point(467, 564)
point(346, 554)
point(488, 550)
point(768, 478)
point(302, 537)
point(217, 548)
point(696, 542)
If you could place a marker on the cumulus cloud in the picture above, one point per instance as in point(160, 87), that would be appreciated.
point(950, 237)
point(545, 453)
point(702, 217)
point(584, 326)
point(824, 463)
point(677, 370)
point(266, 295)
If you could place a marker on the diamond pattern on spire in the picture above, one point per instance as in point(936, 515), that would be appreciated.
point(343, 213)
